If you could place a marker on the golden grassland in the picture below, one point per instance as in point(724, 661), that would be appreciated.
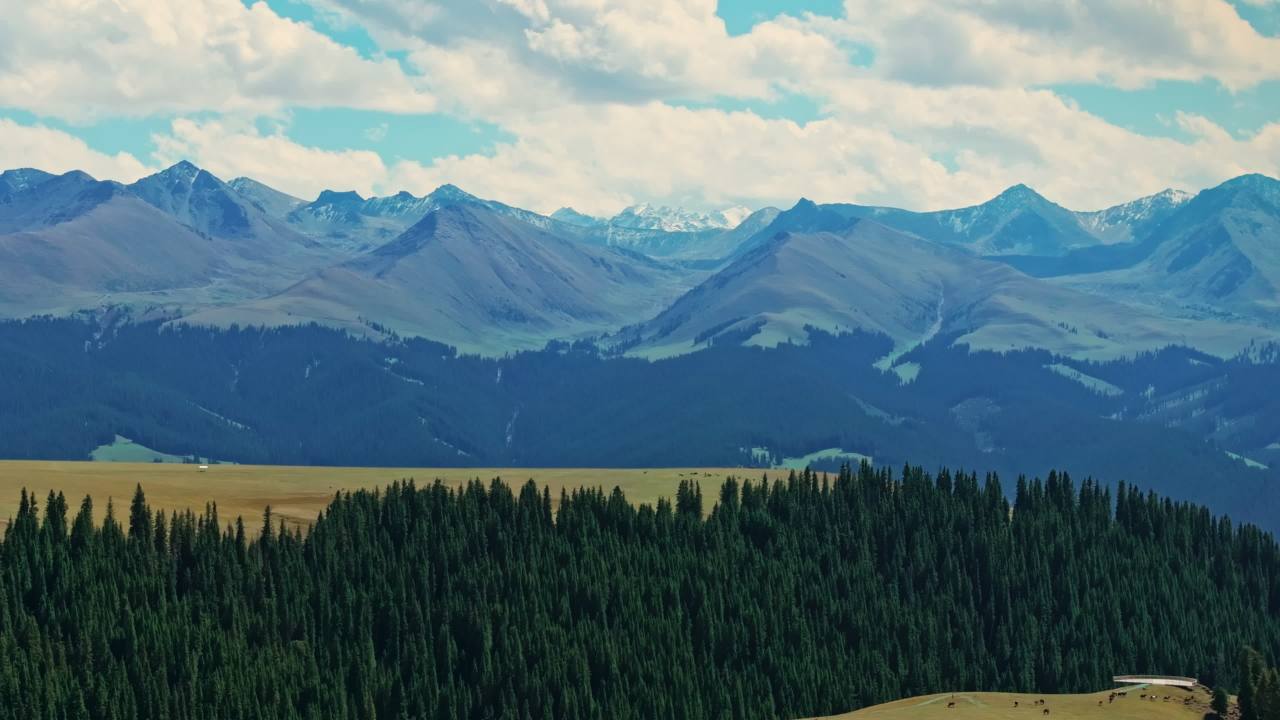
point(1181, 705)
point(298, 494)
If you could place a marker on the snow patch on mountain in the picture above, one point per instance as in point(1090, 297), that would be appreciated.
point(660, 217)
point(1116, 223)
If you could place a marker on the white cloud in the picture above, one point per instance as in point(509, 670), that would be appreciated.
point(947, 114)
point(644, 50)
point(545, 52)
point(1127, 43)
point(600, 158)
point(55, 151)
point(996, 137)
point(82, 59)
point(230, 149)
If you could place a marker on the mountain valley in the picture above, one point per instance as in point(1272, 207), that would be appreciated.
point(1008, 335)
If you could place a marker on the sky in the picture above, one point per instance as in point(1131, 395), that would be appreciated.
point(600, 104)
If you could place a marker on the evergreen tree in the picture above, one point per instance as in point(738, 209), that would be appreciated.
point(480, 601)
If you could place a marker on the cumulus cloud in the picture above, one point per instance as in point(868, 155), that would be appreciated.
point(55, 151)
point(541, 52)
point(230, 149)
point(644, 50)
point(950, 104)
point(1126, 43)
point(83, 59)
point(600, 158)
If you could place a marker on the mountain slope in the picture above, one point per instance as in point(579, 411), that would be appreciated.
point(1017, 221)
point(1135, 219)
point(199, 200)
point(478, 279)
point(20, 179)
point(871, 277)
point(1018, 224)
point(669, 219)
point(72, 242)
point(177, 238)
point(274, 203)
point(1218, 255)
point(347, 220)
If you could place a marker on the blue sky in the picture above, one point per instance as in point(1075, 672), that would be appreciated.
point(547, 103)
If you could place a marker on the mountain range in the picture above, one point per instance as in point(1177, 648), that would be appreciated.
point(229, 319)
point(466, 266)
point(1016, 271)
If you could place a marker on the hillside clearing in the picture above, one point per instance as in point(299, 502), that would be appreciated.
point(1000, 706)
point(298, 494)
point(124, 450)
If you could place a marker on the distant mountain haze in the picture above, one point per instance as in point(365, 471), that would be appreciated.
point(479, 279)
point(1218, 255)
point(66, 242)
point(870, 277)
point(1016, 271)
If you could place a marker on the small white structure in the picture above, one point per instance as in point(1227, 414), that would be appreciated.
point(1169, 680)
point(203, 468)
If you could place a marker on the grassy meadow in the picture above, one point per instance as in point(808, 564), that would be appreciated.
point(1000, 706)
point(297, 494)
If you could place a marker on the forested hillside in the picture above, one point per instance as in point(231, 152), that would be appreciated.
point(794, 598)
point(316, 396)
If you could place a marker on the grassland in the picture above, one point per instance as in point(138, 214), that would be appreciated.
point(800, 463)
point(1181, 705)
point(122, 449)
point(297, 494)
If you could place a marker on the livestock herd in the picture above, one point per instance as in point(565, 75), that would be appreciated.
point(1111, 698)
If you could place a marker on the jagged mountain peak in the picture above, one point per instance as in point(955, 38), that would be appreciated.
point(1245, 192)
point(338, 197)
point(1251, 181)
point(19, 179)
point(646, 216)
point(573, 217)
point(1172, 196)
point(1019, 195)
point(183, 170)
point(273, 202)
point(451, 193)
point(79, 176)
point(1124, 222)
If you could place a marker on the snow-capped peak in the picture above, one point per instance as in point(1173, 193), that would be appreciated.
point(1136, 210)
point(1173, 197)
point(652, 217)
point(573, 217)
point(23, 178)
point(183, 171)
point(1117, 222)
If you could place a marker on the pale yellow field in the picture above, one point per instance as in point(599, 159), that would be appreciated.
point(297, 494)
point(999, 706)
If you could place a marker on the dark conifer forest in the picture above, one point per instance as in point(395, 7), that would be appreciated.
point(775, 598)
point(317, 396)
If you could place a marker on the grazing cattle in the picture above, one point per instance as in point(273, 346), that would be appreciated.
point(1015, 703)
point(951, 704)
point(1046, 711)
